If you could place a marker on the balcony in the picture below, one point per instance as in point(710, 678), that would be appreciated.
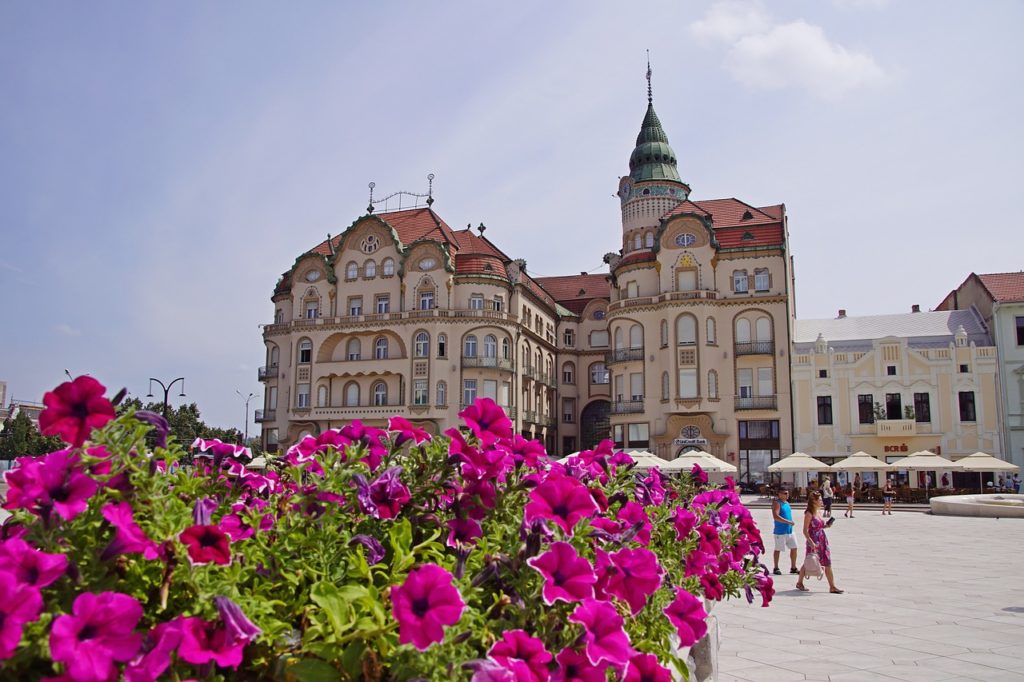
point(265, 415)
point(896, 428)
point(627, 406)
point(757, 402)
point(375, 318)
point(624, 355)
point(268, 372)
point(349, 411)
point(487, 363)
point(755, 348)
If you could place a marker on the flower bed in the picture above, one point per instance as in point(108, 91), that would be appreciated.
point(363, 553)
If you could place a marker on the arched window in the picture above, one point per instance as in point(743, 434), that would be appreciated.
point(380, 348)
point(618, 338)
point(710, 336)
point(351, 270)
point(469, 346)
point(305, 352)
point(740, 281)
point(311, 304)
point(422, 345)
point(664, 333)
point(352, 394)
point(649, 239)
point(664, 386)
point(353, 350)
point(321, 396)
point(686, 330)
point(505, 349)
point(743, 330)
point(636, 336)
point(442, 393)
point(632, 290)
point(636, 242)
point(275, 356)
point(388, 267)
point(568, 373)
point(442, 345)
point(712, 384)
point(370, 269)
point(426, 293)
point(526, 356)
point(490, 346)
point(763, 329)
point(380, 394)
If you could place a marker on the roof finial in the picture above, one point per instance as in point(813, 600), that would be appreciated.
point(430, 189)
point(369, 209)
point(650, 96)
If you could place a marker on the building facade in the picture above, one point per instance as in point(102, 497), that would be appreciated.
point(998, 298)
point(891, 385)
point(683, 344)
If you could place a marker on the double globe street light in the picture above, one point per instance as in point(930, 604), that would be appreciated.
point(167, 390)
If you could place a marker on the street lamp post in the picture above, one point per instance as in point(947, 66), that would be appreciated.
point(167, 390)
point(246, 399)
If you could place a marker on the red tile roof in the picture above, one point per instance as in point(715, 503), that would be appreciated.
point(736, 223)
point(739, 237)
point(644, 256)
point(474, 264)
point(1004, 286)
point(410, 225)
point(571, 287)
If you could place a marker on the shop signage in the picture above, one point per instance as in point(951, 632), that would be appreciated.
point(690, 441)
point(897, 448)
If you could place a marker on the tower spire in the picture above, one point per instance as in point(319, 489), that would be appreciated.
point(650, 96)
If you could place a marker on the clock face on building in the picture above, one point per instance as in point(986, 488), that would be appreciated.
point(690, 432)
point(312, 275)
point(685, 239)
point(427, 264)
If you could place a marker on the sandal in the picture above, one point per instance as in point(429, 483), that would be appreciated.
point(836, 590)
point(802, 588)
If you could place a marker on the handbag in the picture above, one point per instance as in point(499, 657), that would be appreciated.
point(812, 567)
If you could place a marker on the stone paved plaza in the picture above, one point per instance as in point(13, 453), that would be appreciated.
point(927, 598)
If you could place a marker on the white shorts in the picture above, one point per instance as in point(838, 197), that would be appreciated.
point(784, 542)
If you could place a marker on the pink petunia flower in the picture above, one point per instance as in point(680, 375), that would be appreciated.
point(645, 668)
point(684, 521)
point(688, 615)
point(604, 638)
point(203, 641)
point(463, 532)
point(407, 432)
point(634, 576)
point(710, 541)
point(562, 499)
point(20, 603)
point(696, 562)
point(74, 409)
point(31, 566)
point(698, 475)
point(634, 515)
point(129, 538)
point(206, 544)
point(527, 452)
point(523, 655)
point(487, 420)
point(55, 482)
point(235, 527)
point(217, 448)
point(766, 586)
point(567, 575)
point(98, 633)
point(384, 498)
point(154, 656)
point(424, 604)
point(712, 586)
point(573, 666)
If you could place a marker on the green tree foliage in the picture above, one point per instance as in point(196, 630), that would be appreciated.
point(185, 422)
point(20, 437)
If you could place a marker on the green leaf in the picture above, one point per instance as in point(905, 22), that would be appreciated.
point(335, 604)
point(313, 670)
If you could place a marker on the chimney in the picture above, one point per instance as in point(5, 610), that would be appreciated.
point(584, 272)
point(842, 313)
point(915, 308)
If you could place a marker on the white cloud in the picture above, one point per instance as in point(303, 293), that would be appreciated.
point(767, 55)
point(67, 330)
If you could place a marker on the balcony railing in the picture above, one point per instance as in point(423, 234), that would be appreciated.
point(896, 428)
point(624, 355)
point(627, 406)
point(487, 362)
point(757, 402)
point(265, 415)
point(667, 296)
point(755, 348)
point(268, 372)
point(371, 317)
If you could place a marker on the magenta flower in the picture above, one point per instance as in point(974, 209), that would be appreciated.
point(634, 516)
point(604, 637)
point(684, 521)
point(424, 604)
point(237, 626)
point(54, 482)
point(20, 603)
point(74, 409)
point(766, 586)
point(382, 499)
point(477, 464)
point(698, 475)
point(407, 432)
point(31, 566)
point(712, 586)
point(567, 575)
point(527, 452)
point(307, 448)
point(129, 538)
point(688, 615)
point(697, 561)
point(645, 668)
point(370, 439)
point(99, 631)
point(154, 656)
point(206, 544)
point(487, 420)
point(218, 448)
point(203, 641)
point(573, 666)
point(562, 499)
point(374, 550)
point(523, 655)
point(235, 527)
point(463, 532)
point(635, 576)
point(710, 542)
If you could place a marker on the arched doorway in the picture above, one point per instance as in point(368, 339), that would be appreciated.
point(595, 424)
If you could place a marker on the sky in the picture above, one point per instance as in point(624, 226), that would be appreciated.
point(161, 164)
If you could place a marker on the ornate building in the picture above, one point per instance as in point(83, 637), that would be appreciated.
point(683, 345)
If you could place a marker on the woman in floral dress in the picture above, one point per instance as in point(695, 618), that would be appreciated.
point(817, 542)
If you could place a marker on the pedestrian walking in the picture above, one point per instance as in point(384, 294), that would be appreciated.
point(850, 498)
point(888, 495)
point(817, 543)
point(826, 496)
point(784, 538)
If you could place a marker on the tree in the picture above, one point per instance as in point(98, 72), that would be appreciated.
point(20, 438)
point(185, 422)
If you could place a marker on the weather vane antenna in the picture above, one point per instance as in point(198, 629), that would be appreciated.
point(650, 95)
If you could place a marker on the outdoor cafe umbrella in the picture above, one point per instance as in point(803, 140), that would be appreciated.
point(798, 461)
point(705, 460)
point(982, 462)
point(925, 461)
point(860, 461)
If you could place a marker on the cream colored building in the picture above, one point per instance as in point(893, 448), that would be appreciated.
point(890, 385)
point(683, 345)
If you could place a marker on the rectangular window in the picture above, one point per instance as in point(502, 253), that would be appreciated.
point(420, 395)
point(761, 280)
point(569, 338)
point(618, 388)
point(491, 389)
point(688, 383)
point(355, 305)
point(967, 413)
point(963, 369)
point(739, 282)
point(1020, 330)
point(476, 302)
point(617, 435)
point(598, 373)
point(302, 395)
point(568, 445)
point(568, 410)
point(272, 398)
point(745, 383)
point(893, 406)
point(638, 434)
point(468, 391)
point(824, 410)
point(272, 437)
point(765, 385)
point(866, 408)
point(599, 339)
point(383, 303)
point(567, 377)
point(505, 394)
point(890, 370)
point(823, 374)
point(442, 393)
point(499, 303)
point(426, 300)
point(636, 386)
point(922, 407)
point(312, 309)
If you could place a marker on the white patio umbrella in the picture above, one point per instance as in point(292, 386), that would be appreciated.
point(798, 461)
point(982, 462)
point(860, 461)
point(705, 460)
point(925, 461)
